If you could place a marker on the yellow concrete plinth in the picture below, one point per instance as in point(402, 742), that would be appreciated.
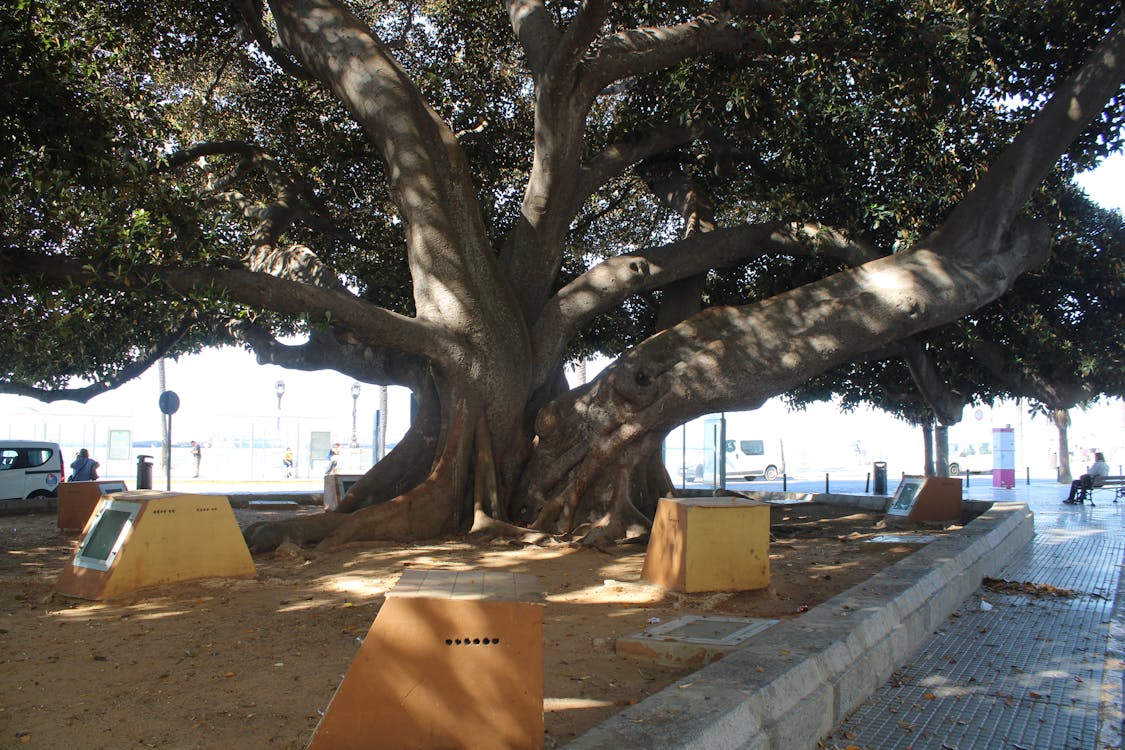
point(454, 659)
point(709, 544)
point(77, 501)
point(145, 538)
point(919, 498)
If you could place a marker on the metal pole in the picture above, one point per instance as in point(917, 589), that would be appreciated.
point(723, 450)
point(376, 448)
point(683, 457)
point(168, 465)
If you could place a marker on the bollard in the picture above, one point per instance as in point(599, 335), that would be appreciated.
point(867, 484)
point(826, 483)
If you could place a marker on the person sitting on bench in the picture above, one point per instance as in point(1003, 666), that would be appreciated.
point(1093, 477)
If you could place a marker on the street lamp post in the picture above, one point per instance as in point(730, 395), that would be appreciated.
point(279, 389)
point(355, 400)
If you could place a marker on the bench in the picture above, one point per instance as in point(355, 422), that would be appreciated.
point(1116, 483)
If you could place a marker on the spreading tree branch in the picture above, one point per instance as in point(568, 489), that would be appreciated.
point(609, 283)
point(616, 158)
point(263, 291)
point(327, 350)
point(579, 35)
point(134, 369)
point(536, 32)
point(1055, 394)
point(646, 50)
point(251, 11)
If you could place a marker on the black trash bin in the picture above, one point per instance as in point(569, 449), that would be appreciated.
point(144, 472)
point(880, 487)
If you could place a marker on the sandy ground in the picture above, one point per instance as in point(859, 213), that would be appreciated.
point(253, 663)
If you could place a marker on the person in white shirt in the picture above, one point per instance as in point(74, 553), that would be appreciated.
point(1093, 477)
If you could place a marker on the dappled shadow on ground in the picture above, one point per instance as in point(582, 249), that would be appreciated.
point(252, 663)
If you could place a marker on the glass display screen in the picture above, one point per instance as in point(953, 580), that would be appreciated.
point(106, 535)
point(904, 497)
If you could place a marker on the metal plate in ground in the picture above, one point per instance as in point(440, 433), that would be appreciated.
point(723, 631)
point(691, 640)
point(897, 540)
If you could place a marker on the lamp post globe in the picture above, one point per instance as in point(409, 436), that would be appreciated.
point(279, 389)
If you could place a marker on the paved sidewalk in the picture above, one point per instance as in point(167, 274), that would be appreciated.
point(1017, 671)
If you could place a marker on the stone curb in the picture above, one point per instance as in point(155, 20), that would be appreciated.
point(792, 684)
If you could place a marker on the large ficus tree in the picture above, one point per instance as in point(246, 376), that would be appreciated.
point(461, 197)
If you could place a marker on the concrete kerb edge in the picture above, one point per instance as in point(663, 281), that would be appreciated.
point(791, 684)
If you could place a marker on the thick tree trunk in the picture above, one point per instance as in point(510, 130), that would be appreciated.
point(928, 449)
point(941, 450)
point(587, 459)
point(406, 466)
point(1061, 420)
point(440, 504)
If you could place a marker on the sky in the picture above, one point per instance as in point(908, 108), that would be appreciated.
point(227, 390)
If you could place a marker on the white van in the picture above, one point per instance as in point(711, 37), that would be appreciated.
point(747, 459)
point(29, 469)
point(755, 458)
point(973, 457)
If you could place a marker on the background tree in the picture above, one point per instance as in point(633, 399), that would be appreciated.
point(1055, 339)
point(1058, 338)
point(445, 196)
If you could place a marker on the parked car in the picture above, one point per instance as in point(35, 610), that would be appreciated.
point(686, 465)
point(29, 469)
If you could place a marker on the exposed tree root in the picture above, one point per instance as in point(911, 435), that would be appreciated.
point(265, 536)
point(486, 527)
point(400, 519)
point(621, 518)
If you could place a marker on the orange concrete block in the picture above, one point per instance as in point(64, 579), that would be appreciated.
point(454, 659)
point(709, 544)
point(919, 498)
point(145, 538)
point(77, 501)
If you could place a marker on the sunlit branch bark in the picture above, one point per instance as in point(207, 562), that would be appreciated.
point(612, 281)
point(251, 11)
point(428, 175)
point(535, 31)
point(578, 37)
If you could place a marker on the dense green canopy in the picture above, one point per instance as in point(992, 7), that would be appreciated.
point(461, 197)
point(873, 116)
